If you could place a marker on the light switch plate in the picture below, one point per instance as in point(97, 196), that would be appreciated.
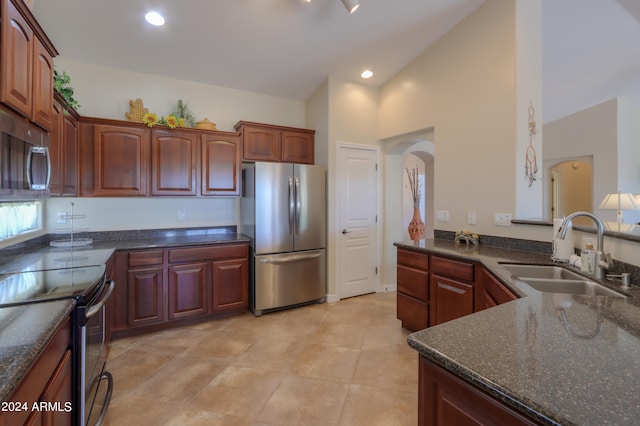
point(471, 218)
point(442, 215)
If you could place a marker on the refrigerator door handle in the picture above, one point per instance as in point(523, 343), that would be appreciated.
point(291, 206)
point(291, 258)
point(298, 205)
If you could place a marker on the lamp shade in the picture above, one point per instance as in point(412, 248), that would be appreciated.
point(619, 201)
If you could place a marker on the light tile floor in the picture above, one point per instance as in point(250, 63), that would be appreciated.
point(345, 363)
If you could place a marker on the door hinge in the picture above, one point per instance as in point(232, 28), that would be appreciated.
point(376, 270)
point(376, 166)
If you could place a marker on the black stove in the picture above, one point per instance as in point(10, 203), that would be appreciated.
point(54, 274)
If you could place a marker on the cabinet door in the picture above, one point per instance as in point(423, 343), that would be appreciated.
point(56, 150)
point(58, 391)
point(230, 286)
point(449, 299)
point(297, 147)
point(146, 296)
point(261, 144)
point(17, 60)
point(221, 166)
point(121, 160)
point(69, 155)
point(173, 163)
point(42, 90)
point(187, 290)
point(490, 292)
point(444, 399)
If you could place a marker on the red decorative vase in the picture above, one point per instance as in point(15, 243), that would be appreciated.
point(416, 226)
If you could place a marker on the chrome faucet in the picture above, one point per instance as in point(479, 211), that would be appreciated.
point(601, 259)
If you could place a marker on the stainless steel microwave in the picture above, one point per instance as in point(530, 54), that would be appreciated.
point(25, 166)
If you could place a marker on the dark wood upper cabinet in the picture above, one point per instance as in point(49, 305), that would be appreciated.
point(42, 86)
point(297, 147)
point(17, 59)
point(267, 142)
point(55, 150)
point(260, 143)
point(221, 164)
point(121, 160)
point(26, 64)
point(173, 162)
point(63, 151)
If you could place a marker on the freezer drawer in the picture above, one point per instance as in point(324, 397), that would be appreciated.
point(282, 280)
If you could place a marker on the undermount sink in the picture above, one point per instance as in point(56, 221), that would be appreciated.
point(542, 271)
point(556, 279)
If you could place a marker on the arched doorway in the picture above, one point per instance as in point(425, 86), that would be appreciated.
point(400, 152)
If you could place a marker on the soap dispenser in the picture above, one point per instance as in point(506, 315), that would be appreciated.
point(587, 257)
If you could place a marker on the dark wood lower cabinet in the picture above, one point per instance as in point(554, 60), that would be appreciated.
point(161, 288)
point(413, 290)
point(146, 296)
point(450, 299)
point(445, 400)
point(490, 292)
point(187, 290)
point(227, 294)
point(49, 381)
point(433, 289)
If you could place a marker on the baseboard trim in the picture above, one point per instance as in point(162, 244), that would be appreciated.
point(387, 288)
point(332, 298)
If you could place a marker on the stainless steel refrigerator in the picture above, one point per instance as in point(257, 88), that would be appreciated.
point(283, 212)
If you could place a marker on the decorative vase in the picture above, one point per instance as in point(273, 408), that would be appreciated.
point(416, 226)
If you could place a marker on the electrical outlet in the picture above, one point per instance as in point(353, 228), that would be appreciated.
point(471, 218)
point(182, 215)
point(502, 219)
point(442, 215)
point(61, 217)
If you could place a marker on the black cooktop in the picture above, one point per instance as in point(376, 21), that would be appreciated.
point(33, 286)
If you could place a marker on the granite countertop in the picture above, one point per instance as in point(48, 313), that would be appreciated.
point(105, 243)
point(25, 331)
point(560, 359)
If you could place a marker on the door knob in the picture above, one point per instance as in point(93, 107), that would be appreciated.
point(345, 232)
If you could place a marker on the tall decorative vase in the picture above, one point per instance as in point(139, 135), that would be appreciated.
point(416, 226)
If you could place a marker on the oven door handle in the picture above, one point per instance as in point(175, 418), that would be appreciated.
point(107, 399)
point(96, 308)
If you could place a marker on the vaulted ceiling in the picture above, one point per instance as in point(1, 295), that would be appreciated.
point(287, 48)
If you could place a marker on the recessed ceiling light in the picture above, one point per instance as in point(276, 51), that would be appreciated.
point(366, 74)
point(154, 18)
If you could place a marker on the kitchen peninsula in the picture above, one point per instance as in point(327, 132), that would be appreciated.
point(545, 358)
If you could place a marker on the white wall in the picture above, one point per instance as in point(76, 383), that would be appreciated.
point(590, 132)
point(629, 150)
point(349, 110)
point(105, 92)
point(464, 88)
point(106, 214)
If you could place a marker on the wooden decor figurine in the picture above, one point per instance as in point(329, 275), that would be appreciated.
point(136, 110)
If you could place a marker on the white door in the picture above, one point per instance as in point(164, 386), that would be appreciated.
point(357, 183)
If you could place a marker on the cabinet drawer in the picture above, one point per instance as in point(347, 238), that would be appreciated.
point(145, 258)
point(193, 254)
point(452, 268)
point(413, 259)
point(413, 313)
point(413, 282)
